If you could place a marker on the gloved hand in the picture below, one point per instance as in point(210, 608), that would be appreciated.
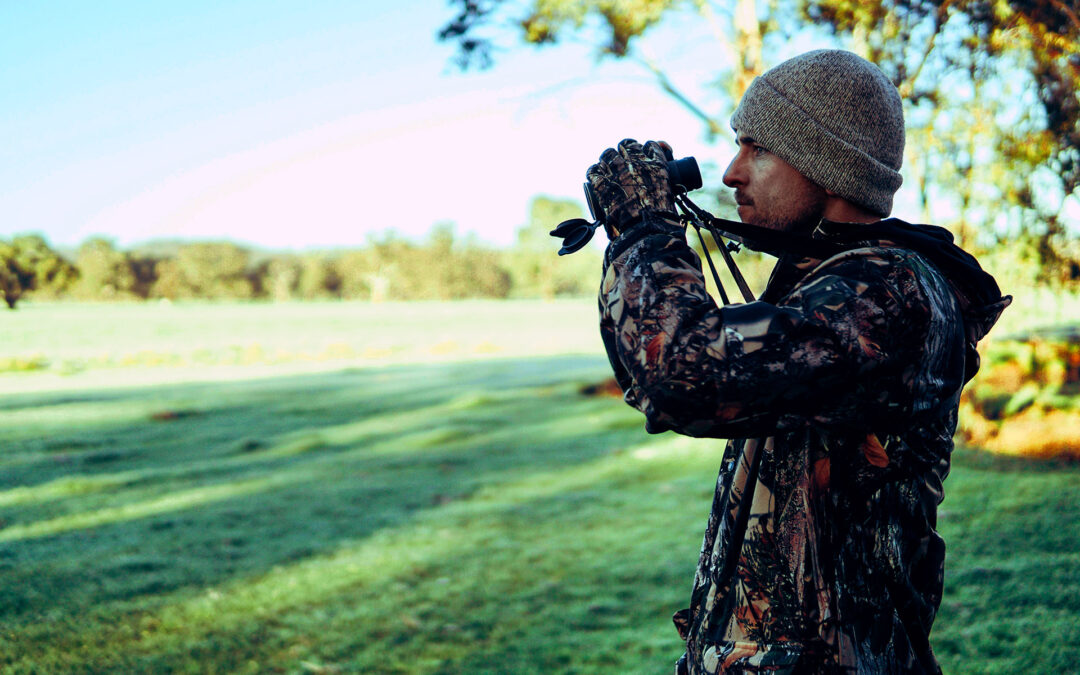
point(630, 180)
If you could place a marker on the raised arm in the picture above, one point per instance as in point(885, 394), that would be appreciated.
point(832, 352)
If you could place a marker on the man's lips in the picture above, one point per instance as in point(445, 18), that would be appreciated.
point(742, 200)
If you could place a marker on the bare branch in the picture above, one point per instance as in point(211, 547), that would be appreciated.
point(714, 127)
point(907, 88)
point(1067, 11)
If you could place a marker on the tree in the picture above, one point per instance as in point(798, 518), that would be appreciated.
point(281, 277)
point(442, 267)
point(453, 268)
point(49, 274)
point(11, 275)
point(105, 273)
point(215, 270)
point(381, 271)
point(486, 271)
point(29, 265)
point(987, 162)
point(535, 270)
point(446, 277)
point(318, 278)
point(144, 270)
point(615, 28)
point(999, 166)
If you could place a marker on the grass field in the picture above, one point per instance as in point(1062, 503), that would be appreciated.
point(406, 489)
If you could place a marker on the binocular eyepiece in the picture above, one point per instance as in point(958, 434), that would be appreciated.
point(683, 176)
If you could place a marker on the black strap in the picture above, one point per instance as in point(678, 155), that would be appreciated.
point(774, 241)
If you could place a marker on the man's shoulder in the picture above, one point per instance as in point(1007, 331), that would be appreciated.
point(877, 282)
point(881, 262)
point(927, 251)
point(872, 263)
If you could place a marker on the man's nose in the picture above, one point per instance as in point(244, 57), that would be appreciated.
point(734, 175)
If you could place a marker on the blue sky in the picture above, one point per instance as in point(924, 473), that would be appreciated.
point(317, 124)
point(294, 124)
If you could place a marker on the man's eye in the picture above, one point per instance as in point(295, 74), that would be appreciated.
point(758, 150)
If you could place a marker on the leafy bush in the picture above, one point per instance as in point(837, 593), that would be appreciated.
point(1026, 399)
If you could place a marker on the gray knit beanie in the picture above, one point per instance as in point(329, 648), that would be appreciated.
point(836, 118)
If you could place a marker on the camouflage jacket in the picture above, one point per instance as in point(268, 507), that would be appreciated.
point(843, 381)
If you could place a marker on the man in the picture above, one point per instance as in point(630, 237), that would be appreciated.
point(841, 383)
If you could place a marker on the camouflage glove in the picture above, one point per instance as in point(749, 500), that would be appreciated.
point(630, 180)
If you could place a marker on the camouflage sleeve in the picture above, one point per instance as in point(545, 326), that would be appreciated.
point(839, 349)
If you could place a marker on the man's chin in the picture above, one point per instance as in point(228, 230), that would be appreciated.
point(750, 216)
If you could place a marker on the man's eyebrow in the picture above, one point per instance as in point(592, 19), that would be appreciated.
point(745, 140)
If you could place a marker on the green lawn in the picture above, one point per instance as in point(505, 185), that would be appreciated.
point(429, 510)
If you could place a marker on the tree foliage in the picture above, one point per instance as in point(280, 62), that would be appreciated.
point(444, 267)
point(1005, 168)
point(992, 171)
point(104, 272)
point(11, 275)
point(29, 265)
point(535, 271)
point(214, 270)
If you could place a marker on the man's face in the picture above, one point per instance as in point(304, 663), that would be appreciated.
point(770, 192)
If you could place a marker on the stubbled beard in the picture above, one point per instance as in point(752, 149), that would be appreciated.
point(801, 218)
point(803, 221)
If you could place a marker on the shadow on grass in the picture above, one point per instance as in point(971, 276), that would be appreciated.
point(264, 473)
point(461, 518)
point(574, 568)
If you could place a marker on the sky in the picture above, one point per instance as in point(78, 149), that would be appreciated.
point(297, 125)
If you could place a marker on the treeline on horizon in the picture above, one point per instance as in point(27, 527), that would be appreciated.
point(442, 266)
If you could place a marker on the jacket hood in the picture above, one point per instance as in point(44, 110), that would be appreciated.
point(980, 299)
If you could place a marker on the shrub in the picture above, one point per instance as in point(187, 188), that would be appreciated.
point(1026, 398)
